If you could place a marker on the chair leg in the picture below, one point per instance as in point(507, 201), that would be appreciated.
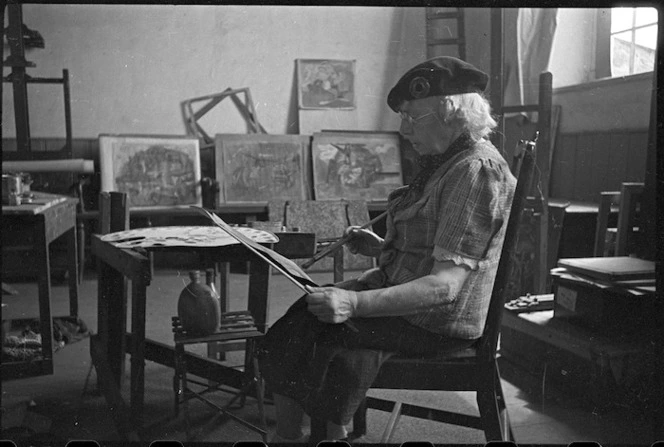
point(260, 394)
point(360, 420)
point(506, 426)
point(318, 431)
point(493, 411)
point(185, 399)
point(80, 231)
point(488, 405)
point(178, 392)
point(392, 423)
point(176, 395)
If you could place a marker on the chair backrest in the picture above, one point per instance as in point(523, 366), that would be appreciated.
point(489, 341)
point(607, 200)
point(628, 201)
point(631, 194)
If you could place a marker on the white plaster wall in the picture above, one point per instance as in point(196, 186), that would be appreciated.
point(131, 65)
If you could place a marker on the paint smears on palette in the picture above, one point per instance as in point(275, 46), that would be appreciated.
point(184, 236)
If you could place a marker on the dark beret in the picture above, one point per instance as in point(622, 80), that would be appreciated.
point(440, 76)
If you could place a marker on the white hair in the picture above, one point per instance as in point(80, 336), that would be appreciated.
point(472, 111)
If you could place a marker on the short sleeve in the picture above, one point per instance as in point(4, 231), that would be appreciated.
point(472, 209)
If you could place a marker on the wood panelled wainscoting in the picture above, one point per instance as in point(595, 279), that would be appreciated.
point(584, 163)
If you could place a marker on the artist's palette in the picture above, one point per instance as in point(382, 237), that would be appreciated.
point(184, 236)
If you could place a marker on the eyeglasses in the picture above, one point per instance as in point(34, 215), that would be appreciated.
point(411, 120)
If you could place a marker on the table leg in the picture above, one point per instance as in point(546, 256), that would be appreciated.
point(112, 318)
point(259, 289)
point(72, 267)
point(80, 233)
point(44, 285)
point(138, 303)
point(215, 350)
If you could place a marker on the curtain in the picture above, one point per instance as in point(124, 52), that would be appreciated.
point(529, 34)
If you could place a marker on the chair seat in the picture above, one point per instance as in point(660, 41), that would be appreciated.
point(232, 326)
point(464, 354)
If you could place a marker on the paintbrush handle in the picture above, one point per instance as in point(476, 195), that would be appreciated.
point(340, 242)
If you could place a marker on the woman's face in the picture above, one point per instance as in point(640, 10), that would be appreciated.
point(422, 125)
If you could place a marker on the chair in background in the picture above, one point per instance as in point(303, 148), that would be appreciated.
point(234, 327)
point(473, 369)
point(631, 194)
point(605, 236)
point(621, 240)
point(327, 220)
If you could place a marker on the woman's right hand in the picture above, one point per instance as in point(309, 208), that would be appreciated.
point(364, 242)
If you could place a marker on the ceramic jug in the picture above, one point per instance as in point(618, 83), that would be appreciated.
point(198, 306)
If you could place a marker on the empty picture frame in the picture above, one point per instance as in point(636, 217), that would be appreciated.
point(153, 170)
point(257, 168)
point(356, 165)
point(326, 84)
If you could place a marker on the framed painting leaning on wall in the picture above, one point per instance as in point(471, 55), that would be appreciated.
point(356, 165)
point(154, 171)
point(257, 168)
point(326, 84)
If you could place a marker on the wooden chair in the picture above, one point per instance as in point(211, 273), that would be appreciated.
point(631, 194)
point(604, 242)
point(235, 326)
point(622, 239)
point(473, 369)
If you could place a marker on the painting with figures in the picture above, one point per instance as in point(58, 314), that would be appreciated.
point(154, 171)
point(356, 165)
point(256, 168)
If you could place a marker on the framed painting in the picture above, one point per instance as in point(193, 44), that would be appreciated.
point(257, 168)
point(326, 84)
point(356, 165)
point(154, 171)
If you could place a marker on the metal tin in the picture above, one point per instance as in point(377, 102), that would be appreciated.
point(12, 189)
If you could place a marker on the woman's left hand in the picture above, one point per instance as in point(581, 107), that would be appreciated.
point(331, 304)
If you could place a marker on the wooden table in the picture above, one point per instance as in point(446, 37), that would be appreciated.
point(113, 341)
point(607, 359)
point(27, 231)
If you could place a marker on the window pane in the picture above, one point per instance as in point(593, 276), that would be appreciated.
point(621, 19)
point(647, 37)
point(644, 52)
point(646, 16)
point(620, 54)
point(625, 37)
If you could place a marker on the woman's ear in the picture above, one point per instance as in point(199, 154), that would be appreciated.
point(446, 110)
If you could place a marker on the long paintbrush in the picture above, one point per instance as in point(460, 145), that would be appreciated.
point(339, 243)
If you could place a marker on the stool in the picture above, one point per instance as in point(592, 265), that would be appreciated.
point(234, 326)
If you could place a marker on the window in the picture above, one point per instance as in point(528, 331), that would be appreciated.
point(633, 40)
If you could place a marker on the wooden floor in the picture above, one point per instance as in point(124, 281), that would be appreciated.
point(65, 405)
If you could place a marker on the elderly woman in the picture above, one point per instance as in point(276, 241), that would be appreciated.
point(436, 265)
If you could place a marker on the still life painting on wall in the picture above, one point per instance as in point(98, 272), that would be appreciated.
point(326, 84)
point(356, 165)
point(256, 168)
point(154, 171)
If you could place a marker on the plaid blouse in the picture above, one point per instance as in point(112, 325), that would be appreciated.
point(461, 216)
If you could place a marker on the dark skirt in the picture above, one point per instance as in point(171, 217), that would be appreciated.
point(328, 368)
